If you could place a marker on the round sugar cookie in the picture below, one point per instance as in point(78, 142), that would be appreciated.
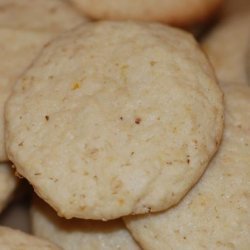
point(8, 183)
point(76, 234)
point(115, 118)
point(11, 239)
point(178, 12)
point(40, 15)
point(215, 213)
point(17, 50)
point(227, 46)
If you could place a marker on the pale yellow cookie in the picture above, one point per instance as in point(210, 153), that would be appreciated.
point(8, 183)
point(115, 118)
point(43, 15)
point(17, 50)
point(227, 46)
point(215, 213)
point(11, 239)
point(177, 12)
point(76, 234)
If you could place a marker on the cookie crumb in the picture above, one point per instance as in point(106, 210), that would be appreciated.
point(76, 86)
point(137, 120)
point(152, 63)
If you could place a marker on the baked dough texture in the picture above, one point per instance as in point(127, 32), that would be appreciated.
point(8, 183)
point(227, 47)
point(178, 12)
point(39, 15)
point(115, 118)
point(77, 234)
point(215, 213)
point(11, 239)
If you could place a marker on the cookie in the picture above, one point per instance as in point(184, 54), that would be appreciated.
point(235, 7)
point(178, 12)
point(11, 239)
point(8, 183)
point(17, 50)
point(215, 213)
point(17, 215)
point(248, 63)
point(226, 47)
point(129, 116)
point(78, 234)
point(39, 15)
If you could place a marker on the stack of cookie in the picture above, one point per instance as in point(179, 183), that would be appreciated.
point(119, 124)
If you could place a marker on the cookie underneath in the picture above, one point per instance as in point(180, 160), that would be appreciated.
point(215, 213)
point(39, 15)
point(11, 239)
point(70, 234)
point(178, 12)
point(227, 47)
point(8, 183)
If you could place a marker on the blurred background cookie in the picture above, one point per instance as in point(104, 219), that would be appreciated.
point(17, 214)
point(11, 239)
point(248, 62)
point(8, 183)
point(227, 45)
point(235, 7)
point(178, 12)
point(78, 234)
point(39, 15)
